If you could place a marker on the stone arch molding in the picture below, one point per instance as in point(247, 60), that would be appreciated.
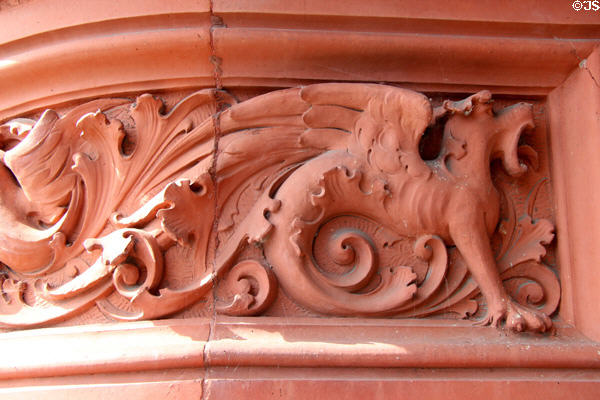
point(101, 205)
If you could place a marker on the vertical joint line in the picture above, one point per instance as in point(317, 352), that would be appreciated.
point(215, 22)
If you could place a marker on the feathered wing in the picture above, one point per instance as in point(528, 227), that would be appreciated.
point(263, 138)
point(382, 124)
point(385, 123)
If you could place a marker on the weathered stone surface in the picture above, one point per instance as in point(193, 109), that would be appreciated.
point(298, 200)
point(275, 172)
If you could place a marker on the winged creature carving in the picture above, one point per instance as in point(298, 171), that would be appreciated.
point(278, 172)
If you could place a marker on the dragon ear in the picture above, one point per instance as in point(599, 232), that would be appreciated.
point(464, 107)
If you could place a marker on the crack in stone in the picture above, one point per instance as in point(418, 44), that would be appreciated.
point(215, 22)
point(583, 64)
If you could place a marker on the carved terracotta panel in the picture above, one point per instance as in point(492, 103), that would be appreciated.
point(313, 199)
point(329, 199)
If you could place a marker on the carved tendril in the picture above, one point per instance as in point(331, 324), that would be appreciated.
point(253, 287)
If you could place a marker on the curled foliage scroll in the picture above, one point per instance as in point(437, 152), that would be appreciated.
point(326, 180)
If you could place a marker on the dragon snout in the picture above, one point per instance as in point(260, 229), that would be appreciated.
point(513, 122)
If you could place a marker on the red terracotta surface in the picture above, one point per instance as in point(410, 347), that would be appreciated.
point(312, 177)
point(457, 48)
point(303, 200)
point(166, 384)
point(573, 114)
point(260, 356)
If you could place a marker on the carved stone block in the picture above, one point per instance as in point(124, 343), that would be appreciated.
point(330, 199)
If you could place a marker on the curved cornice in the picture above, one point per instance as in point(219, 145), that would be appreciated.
point(66, 50)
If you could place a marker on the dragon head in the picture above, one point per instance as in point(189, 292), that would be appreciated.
point(497, 134)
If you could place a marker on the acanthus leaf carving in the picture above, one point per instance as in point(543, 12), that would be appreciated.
point(326, 181)
point(525, 238)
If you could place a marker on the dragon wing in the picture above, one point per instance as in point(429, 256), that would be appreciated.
point(385, 123)
point(263, 139)
point(381, 123)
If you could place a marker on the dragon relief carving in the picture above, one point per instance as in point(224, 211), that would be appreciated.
point(320, 179)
